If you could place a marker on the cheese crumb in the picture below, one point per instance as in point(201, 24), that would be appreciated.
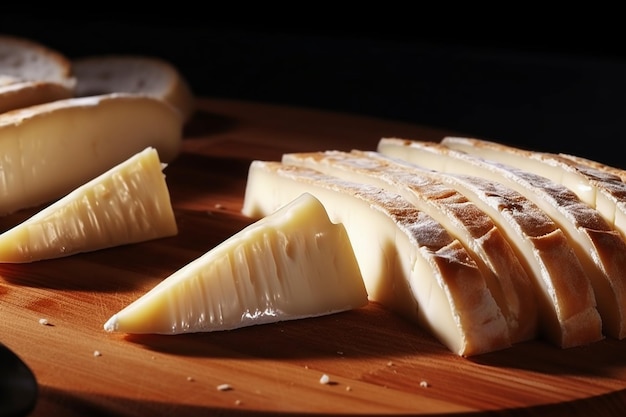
point(224, 387)
point(424, 384)
point(43, 322)
point(97, 353)
point(325, 379)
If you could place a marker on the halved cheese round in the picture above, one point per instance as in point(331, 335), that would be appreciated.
point(49, 149)
point(292, 264)
point(409, 262)
point(129, 203)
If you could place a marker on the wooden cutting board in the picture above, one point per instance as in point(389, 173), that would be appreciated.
point(377, 363)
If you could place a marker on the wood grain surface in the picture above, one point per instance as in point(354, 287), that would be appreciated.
point(378, 364)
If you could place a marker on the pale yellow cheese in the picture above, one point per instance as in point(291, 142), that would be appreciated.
point(292, 264)
point(568, 304)
point(127, 204)
point(409, 262)
point(597, 238)
point(506, 277)
point(49, 149)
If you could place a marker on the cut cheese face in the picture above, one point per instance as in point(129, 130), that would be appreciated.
point(599, 243)
point(506, 277)
point(127, 204)
point(292, 264)
point(52, 148)
point(569, 314)
point(409, 262)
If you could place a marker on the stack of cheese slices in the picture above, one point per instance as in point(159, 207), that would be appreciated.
point(485, 245)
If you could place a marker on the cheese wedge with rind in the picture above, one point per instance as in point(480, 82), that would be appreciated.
point(506, 277)
point(409, 262)
point(601, 248)
point(567, 300)
point(292, 264)
point(49, 149)
point(129, 203)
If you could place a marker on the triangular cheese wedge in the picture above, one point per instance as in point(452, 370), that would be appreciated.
point(292, 264)
point(601, 247)
point(568, 303)
point(51, 148)
point(409, 262)
point(127, 204)
point(506, 277)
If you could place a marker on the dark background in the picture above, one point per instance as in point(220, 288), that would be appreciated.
point(546, 87)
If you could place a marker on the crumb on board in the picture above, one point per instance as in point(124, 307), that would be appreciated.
point(238, 402)
point(424, 384)
point(44, 322)
point(97, 353)
point(224, 387)
point(190, 379)
point(324, 379)
point(348, 388)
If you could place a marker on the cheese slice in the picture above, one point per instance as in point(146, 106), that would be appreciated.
point(409, 262)
point(506, 277)
point(292, 264)
point(568, 304)
point(51, 148)
point(600, 247)
point(127, 204)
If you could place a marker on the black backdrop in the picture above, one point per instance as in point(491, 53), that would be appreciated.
point(550, 90)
